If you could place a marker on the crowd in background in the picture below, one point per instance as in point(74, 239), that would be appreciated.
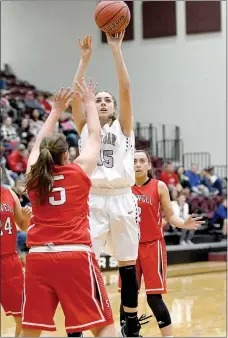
point(23, 112)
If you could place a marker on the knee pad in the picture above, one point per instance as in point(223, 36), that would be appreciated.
point(159, 310)
point(129, 289)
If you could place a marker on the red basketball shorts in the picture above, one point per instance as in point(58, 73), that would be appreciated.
point(12, 281)
point(71, 278)
point(152, 265)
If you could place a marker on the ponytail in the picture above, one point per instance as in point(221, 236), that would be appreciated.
point(41, 175)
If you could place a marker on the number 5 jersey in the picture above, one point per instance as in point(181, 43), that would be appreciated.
point(63, 217)
point(115, 168)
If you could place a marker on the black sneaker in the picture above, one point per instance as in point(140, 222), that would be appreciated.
point(122, 332)
point(75, 334)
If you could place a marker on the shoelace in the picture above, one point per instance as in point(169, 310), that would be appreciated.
point(141, 319)
point(144, 317)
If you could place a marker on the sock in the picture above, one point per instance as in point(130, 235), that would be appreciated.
point(132, 324)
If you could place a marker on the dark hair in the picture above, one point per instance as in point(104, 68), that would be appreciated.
point(150, 171)
point(41, 175)
point(112, 117)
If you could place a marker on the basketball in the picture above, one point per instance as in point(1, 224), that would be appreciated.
point(112, 16)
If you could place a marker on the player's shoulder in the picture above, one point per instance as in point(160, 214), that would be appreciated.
point(161, 184)
point(162, 187)
point(8, 195)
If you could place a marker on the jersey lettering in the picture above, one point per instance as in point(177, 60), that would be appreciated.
point(106, 158)
point(61, 190)
point(7, 227)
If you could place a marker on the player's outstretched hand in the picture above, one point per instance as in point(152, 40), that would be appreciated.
point(63, 99)
point(26, 212)
point(86, 47)
point(115, 40)
point(86, 92)
point(193, 223)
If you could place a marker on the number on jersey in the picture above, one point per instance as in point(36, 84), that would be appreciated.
point(106, 158)
point(7, 227)
point(62, 193)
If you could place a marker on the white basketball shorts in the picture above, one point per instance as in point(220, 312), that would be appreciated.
point(114, 223)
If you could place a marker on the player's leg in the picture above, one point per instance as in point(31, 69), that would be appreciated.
point(154, 266)
point(125, 239)
point(139, 277)
point(12, 280)
point(40, 299)
point(99, 223)
point(161, 314)
point(106, 331)
point(30, 333)
point(88, 307)
point(18, 322)
point(99, 229)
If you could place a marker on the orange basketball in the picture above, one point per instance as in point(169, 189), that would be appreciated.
point(112, 16)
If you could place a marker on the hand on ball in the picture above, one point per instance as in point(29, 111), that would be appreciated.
point(115, 40)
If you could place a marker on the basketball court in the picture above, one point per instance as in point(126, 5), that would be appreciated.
point(196, 299)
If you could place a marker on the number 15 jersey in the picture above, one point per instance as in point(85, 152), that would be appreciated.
point(63, 217)
point(115, 168)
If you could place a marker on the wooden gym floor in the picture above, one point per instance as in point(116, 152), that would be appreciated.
point(196, 299)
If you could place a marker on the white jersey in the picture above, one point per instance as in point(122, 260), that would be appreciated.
point(115, 168)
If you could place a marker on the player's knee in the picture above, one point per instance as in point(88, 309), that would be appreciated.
point(159, 310)
point(129, 289)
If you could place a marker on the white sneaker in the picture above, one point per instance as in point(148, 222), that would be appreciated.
point(183, 243)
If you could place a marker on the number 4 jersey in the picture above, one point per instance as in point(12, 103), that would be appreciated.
point(115, 168)
point(8, 227)
point(63, 217)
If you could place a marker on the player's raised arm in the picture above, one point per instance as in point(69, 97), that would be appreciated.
point(60, 103)
point(77, 105)
point(125, 111)
point(90, 154)
point(191, 223)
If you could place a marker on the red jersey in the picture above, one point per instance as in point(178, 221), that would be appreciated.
point(63, 217)
point(150, 211)
point(169, 179)
point(8, 226)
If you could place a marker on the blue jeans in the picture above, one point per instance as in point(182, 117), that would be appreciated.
point(21, 241)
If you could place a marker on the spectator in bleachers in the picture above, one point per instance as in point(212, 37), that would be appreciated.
point(24, 132)
point(215, 180)
point(17, 104)
point(19, 190)
point(68, 128)
point(184, 180)
point(195, 182)
point(181, 209)
point(220, 214)
point(17, 160)
point(206, 181)
point(8, 131)
point(31, 102)
point(44, 103)
point(35, 123)
point(3, 84)
point(6, 109)
point(170, 178)
point(8, 176)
